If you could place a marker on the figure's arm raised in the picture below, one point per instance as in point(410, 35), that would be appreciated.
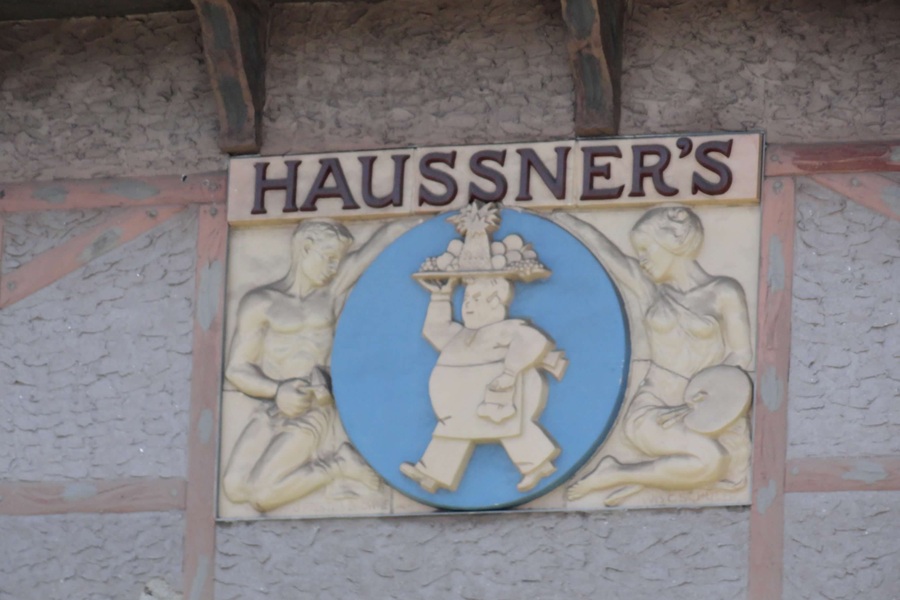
point(357, 261)
point(439, 327)
point(243, 369)
point(623, 268)
point(735, 320)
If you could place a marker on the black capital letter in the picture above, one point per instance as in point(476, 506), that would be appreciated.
point(263, 185)
point(641, 171)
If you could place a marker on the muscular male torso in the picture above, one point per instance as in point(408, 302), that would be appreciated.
point(298, 332)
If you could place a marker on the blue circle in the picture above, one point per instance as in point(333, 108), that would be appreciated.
point(381, 363)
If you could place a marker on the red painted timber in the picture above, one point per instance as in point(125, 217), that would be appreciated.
point(843, 474)
point(770, 409)
point(198, 188)
point(808, 159)
point(872, 191)
point(70, 256)
point(111, 496)
point(209, 307)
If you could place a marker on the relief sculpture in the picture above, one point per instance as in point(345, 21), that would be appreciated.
point(279, 356)
point(687, 419)
point(488, 384)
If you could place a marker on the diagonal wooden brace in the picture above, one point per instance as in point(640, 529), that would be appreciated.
point(52, 265)
point(596, 30)
point(234, 44)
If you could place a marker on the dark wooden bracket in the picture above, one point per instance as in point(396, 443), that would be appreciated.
point(234, 43)
point(595, 51)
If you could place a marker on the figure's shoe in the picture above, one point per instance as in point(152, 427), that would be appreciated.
point(495, 412)
point(413, 472)
point(531, 479)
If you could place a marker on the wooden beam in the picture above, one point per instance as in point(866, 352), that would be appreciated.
point(206, 381)
point(69, 256)
point(234, 43)
point(875, 192)
point(1, 251)
point(112, 496)
point(596, 31)
point(773, 357)
point(66, 9)
point(76, 194)
point(855, 157)
point(845, 474)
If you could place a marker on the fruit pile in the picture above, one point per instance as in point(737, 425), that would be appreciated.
point(512, 255)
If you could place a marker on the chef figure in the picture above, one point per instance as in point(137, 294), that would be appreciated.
point(488, 385)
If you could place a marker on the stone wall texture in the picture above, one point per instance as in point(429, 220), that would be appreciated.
point(95, 369)
point(643, 555)
point(27, 234)
point(845, 349)
point(88, 557)
point(802, 70)
point(359, 75)
point(105, 97)
point(842, 546)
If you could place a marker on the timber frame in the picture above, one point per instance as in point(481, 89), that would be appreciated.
point(235, 37)
point(596, 31)
point(235, 40)
point(850, 169)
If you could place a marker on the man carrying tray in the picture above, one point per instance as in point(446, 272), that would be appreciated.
point(487, 385)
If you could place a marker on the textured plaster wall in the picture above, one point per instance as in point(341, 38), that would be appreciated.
point(845, 349)
point(414, 72)
point(26, 235)
point(644, 555)
point(105, 97)
point(358, 75)
point(842, 546)
point(95, 370)
point(88, 557)
point(803, 70)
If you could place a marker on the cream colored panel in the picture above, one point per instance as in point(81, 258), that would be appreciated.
point(726, 165)
point(688, 278)
point(326, 185)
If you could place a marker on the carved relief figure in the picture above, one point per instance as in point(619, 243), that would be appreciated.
point(487, 385)
point(688, 415)
point(294, 443)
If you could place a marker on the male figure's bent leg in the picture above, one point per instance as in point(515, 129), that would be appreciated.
point(248, 449)
point(287, 471)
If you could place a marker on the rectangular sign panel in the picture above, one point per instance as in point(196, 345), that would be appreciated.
point(589, 174)
point(560, 325)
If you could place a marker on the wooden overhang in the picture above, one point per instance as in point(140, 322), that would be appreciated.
point(235, 37)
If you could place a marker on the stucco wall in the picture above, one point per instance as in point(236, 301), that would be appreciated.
point(88, 557)
point(404, 72)
point(644, 555)
point(845, 349)
point(105, 97)
point(842, 546)
point(95, 369)
point(803, 70)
